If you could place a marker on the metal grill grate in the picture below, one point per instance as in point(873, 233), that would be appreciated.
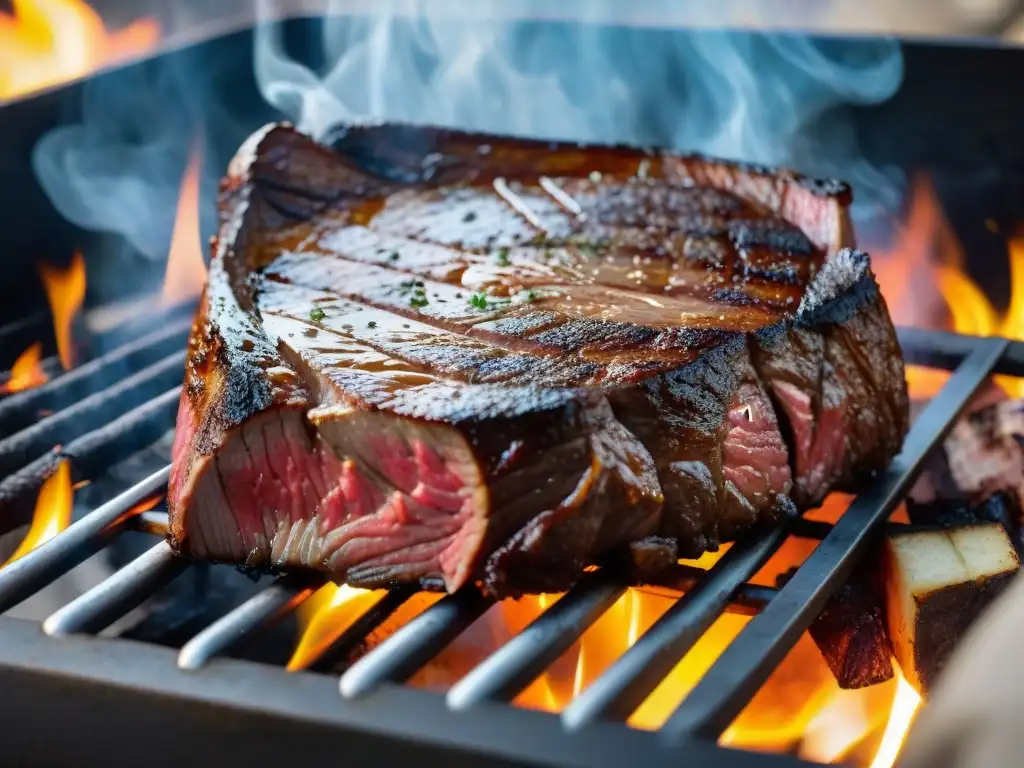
point(198, 702)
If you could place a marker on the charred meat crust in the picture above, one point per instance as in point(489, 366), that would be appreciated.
point(547, 477)
point(835, 375)
point(415, 153)
point(411, 154)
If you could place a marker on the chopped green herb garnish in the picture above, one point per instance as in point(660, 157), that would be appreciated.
point(371, 324)
point(418, 301)
point(502, 257)
point(526, 296)
point(478, 300)
point(316, 314)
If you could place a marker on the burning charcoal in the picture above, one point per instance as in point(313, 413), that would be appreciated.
point(850, 632)
point(937, 584)
point(999, 508)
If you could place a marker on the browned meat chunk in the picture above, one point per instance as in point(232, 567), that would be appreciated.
point(499, 361)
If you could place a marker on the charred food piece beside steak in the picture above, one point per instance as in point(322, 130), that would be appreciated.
point(938, 582)
point(499, 361)
point(851, 632)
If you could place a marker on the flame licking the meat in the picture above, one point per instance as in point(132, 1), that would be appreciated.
point(925, 283)
point(65, 290)
point(53, 511)
point(46, 42)
point(186, 270)
point(26, 371)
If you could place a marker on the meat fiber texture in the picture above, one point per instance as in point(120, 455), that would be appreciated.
point(437, 357)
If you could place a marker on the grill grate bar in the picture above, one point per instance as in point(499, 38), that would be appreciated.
point(946, 350)
point(819, 529)
point(510, 669)
point(95, 452)
point(22, 409)
point(52, 559)
point(90, 413)
point(356, 633)
point(681, 578)
point(114, 597)
point(117, 692)
point(90, 455)
point(416, 643)
point(745, 664)
point(622, 688)
point(254, 615)
point(115, 334)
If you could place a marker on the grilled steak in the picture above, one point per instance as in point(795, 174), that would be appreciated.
point(424, 355)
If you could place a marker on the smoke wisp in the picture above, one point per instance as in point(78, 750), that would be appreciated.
point(748, 96)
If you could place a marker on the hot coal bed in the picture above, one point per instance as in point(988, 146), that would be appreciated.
point(198, 671)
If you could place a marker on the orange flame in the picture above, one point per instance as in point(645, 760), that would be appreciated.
point(46, 42)
point(324, 617)
point(26, 371)
point(186, 270)
point(924, 282)
point(65, 290)
point(801, 695)
point(52, 513)
point(904, 707)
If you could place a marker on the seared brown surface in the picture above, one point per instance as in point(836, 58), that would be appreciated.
point(428, 354)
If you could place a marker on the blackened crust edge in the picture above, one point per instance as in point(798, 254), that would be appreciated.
point(420, 147)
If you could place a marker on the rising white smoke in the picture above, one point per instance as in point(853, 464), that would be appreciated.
point(596, 70)
point(745, 96)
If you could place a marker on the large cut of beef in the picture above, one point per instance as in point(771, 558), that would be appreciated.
point(431, 356)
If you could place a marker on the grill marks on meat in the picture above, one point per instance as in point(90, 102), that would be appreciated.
point(355, 406)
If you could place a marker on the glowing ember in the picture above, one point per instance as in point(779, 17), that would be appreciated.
point(46, 42)
point(53, 511)
point(904, 706)
point(65, 290)
point(186, 270)
point(26, 371)
point(927, 253)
